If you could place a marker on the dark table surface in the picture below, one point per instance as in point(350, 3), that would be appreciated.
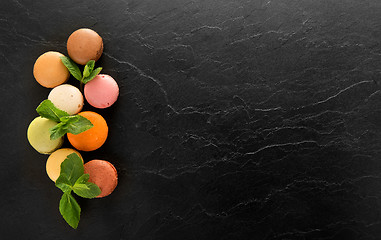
point(236, 119)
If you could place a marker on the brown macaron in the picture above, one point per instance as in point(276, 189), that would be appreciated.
point(103, 174)
point(84, 45)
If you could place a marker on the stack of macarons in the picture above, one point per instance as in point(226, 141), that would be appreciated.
point(102, 91)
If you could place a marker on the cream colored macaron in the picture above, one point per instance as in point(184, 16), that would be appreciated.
point(67, 98)
point(39, 136)
point(53, 164)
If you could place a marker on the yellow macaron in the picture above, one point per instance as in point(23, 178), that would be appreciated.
point(53, 164)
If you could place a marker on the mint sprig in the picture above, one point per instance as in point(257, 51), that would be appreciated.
point(88, 72)
point(72, 178)
point(66, 124)
point(70, 124)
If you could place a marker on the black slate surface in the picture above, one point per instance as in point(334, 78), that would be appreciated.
point(236, 119)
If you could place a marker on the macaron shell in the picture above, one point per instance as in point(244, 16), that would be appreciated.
point(53, 164)
point(102, 91)
point(95, 137)
point(49, 71)
point(39, 136)
point(103, 174)
point(67, 98)
point(84, 45)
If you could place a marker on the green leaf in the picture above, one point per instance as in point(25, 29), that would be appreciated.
point(57, 131)
point(92, 75)
point(86, 190)
point(70, 209)
point(76, 124)
point(47, 110)
point(83, 179)
point(88, 68)
point(63, 183)
point(72, 168)
point(72, 67)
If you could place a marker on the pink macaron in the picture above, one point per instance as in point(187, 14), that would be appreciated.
point(102, 91)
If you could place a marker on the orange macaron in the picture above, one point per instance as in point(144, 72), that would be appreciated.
point(49, 71)
point(103, 174)
point(93, 138)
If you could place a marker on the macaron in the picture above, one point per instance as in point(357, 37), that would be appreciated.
point(103, 174)
point(102, 91)
point(84, 45)
point(67, 98)
point(49, 71)
point(53, 164)
point(39, 136)
point(92, 138)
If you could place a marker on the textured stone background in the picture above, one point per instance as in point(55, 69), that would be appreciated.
point(236, 119)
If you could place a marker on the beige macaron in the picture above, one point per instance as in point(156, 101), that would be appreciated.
point(67, 98)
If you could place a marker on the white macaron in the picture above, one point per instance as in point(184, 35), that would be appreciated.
point(67, 98)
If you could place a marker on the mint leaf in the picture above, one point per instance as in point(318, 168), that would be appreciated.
point(83, 179)
point(88, 68)
point(86, 190)
point(72, 67)
point(70, 209)
point(63, 183)
point(57, 131)
point(88, 72)
point(72, 168)
point(92, 75)
point(47, 110)
point(76, 124)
